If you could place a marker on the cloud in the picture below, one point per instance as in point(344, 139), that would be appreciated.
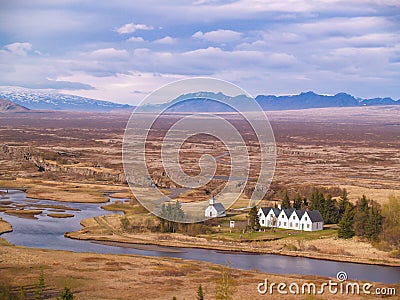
point(19, 48)
point(219, 36)
point(268, 46)
point(138, 39)
point(109, 53)
point(132, 27)
point(166, 40)
point(124, 88)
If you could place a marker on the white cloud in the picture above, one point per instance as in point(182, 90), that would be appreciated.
point(135, 39)
point(166, 40)
point(109, 53)
point(219, 36)
point(19, 48)
point(132, 27)
point(124, 88)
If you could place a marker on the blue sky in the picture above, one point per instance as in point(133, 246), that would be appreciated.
point(122, 50)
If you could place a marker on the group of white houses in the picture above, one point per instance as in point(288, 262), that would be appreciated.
point(297, 219)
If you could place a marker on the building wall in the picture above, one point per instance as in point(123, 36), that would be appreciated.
point(283, 221)
point(302, 224)
point(212, 210)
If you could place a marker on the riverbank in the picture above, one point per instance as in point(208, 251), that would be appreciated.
point(316, 245)
point(5, 226)
point(106, 229)
point(105, 276)
point(66, 191)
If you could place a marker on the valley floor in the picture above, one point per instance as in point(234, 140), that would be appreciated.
point(102, 276)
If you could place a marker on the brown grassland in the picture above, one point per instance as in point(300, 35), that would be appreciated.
point(76, 157)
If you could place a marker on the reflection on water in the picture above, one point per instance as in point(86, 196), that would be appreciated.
point(47, 232)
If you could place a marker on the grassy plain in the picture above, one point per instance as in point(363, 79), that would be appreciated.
point(352, 148)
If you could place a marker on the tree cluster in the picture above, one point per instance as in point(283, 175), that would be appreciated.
point(171, 215)
point(364, 220)
point(328, 207)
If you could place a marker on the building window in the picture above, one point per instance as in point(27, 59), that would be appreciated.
point(297, 224)
point(305, 218)
point(262, 221)
point(279, 223)
point(294, 217)
point(308, 225)
point(284, 223)
point(291, 224)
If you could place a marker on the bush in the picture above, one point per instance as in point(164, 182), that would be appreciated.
point(312, 248)
point(394, 254)
point(66, 294)
point(290, 247)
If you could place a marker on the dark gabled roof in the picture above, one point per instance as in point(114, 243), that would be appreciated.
point(300, 212)
point(266, 210)
point(288, 211)
point(220, 208)
point(315, 216)
point(276, 211)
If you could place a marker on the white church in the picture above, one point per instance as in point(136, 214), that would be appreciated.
point(215, 210)
point(297, 219)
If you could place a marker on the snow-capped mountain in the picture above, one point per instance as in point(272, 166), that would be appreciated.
point(52, 100)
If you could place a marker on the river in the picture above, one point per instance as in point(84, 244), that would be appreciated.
point(47, 232)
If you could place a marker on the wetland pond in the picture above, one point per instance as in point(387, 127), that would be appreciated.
point(43, 231)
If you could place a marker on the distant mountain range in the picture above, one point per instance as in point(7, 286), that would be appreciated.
point(203, 102)
point(8, 106)
point(195, 102)
point(312, 100)
point(49, 100)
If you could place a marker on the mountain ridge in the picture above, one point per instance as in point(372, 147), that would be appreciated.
point(199, 102)
point(11, 107)
point(50, 100)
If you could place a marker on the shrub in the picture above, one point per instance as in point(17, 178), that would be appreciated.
point(290, 247)
point(394, 254)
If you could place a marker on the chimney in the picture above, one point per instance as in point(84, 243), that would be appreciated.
point(279, 206)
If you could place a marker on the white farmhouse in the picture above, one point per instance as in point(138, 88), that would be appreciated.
point(311, 221)
point(299, 219)
point(268, 216)
point(215, 210)
point(283, 218)
point(294, 219)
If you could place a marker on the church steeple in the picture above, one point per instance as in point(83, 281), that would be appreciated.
point(212, 201)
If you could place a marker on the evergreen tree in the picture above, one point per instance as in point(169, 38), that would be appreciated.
point(374, 224)
point(66, 294)
point(330, 212)
point(254, 220)
point(297, 202)
point(361, 216)
point(317, 201)
point(304, 205)
point(346, 230)
point(286, 201)
point(39, 290)
point(344, 199)
point(200, 294)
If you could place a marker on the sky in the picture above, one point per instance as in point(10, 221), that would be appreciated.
point(122, 50)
